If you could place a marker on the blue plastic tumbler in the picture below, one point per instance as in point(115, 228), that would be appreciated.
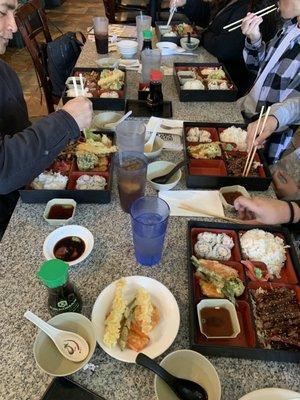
point(149, 220)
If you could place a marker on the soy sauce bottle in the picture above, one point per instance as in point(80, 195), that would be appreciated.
point(62, 294)
point(147, 43)
point(155, 98)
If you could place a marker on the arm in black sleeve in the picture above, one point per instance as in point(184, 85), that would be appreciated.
point(26, 154)
point(198, 12)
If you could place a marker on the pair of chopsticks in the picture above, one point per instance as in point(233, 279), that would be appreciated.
point(253, 148)
point(261, 13)
point(187, 207)
point(172, 11)
point(81, 85)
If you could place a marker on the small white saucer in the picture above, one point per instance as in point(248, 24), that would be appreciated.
point(65, 231)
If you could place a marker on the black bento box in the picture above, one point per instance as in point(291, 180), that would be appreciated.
point(212, 173)
point(30, 195)
point(173, 39)
point(204, 94)
point(247, 344)
point(115, 104)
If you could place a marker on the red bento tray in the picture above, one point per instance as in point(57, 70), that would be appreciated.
point(247, 344)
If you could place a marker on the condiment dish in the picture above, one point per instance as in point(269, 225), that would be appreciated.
point(46, 354)
point(67, 204)
point(108, 62)
point(219, 303)
point(159, 168)
point(67, 231)
point(102, 119)
point(188, 364)
point(189, 46)
point(232, 189)
point(157, 148)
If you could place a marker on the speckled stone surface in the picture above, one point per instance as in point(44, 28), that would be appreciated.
point(112, 257)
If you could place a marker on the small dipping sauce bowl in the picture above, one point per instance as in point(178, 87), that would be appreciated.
point(59, 211)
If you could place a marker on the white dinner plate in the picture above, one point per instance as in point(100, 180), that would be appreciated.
point(65, 231)
point(271, 394)
point(162, 335)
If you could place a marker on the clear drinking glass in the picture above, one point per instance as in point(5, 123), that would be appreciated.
point(101, 34)
point(130, 136)
point(131, 170)
point(149, 221)
point(143, 23)
point(151, 60)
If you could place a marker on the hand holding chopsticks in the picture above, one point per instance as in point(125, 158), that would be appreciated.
point(259, 13)
point(253, 149)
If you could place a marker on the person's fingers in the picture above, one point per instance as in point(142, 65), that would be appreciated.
point(262, 138)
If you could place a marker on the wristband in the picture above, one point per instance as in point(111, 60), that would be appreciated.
point(292, 212)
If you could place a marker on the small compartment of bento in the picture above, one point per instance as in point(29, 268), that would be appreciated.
point(204, 87)
point(84, 181)
point(202, 134)
point(276, 309)
point(246, 338)
point(109, 96)
point(287, 273)
point(235, 162)
point(207, 168)
point(215, 237)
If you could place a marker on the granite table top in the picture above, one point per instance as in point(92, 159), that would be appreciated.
point(112, 257)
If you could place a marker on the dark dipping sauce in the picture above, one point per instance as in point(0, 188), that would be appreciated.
point(69, 248)
point(216, 321)
point(61, 211)
point(231, 196)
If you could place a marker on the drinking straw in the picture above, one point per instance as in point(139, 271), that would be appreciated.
point(81, 83)
point(75, 86)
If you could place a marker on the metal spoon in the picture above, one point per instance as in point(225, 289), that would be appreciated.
point(183, 388)
point(72, 346)
point(165, 178)
point(112, 125)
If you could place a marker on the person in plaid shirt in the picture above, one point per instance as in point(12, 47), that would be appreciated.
point(278, 70)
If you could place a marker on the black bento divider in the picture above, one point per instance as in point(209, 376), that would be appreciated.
point(214, 181)
point(100, 103)
point(204, 95)
point(252, 353)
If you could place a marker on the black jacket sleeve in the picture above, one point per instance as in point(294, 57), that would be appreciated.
point(26, 154)
point(223, 44)
point(198, 12)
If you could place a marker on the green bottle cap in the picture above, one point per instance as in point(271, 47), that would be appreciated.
point(53, 273)
point(147, 34)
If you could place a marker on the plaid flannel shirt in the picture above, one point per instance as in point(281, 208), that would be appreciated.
point(283, 82)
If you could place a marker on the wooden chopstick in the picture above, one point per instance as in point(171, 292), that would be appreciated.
point(187, 207)
point(253, 140)
point(257, 13)
point(261, 15)
point(255, 148)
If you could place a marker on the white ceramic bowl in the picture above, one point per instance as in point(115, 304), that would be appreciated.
point(58, 222)
point(158, 168)
point(224, 303)
point(65, 231)
point(107, 62)
point(234, 188)
point(157, 148)
point(166, 45)
point(127, 48)
point(188, 364)
point(189, 46)
point(103, 118)
point(46, 355)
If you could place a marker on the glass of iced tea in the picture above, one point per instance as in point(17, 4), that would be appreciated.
point(131, 170)
point(101, 34)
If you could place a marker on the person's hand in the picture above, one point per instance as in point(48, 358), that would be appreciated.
point(250, 27)
point(177, 3)
point(263, 211)
point(284, 184)
point(81, 109)
point(270, 126)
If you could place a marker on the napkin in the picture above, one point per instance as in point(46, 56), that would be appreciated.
point(206, 200)
point(171, 137)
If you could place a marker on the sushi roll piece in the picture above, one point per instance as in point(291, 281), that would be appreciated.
point(226, 240)
point(207, 237)
point(202, 249)
point(220, 252)
point(193, 84)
